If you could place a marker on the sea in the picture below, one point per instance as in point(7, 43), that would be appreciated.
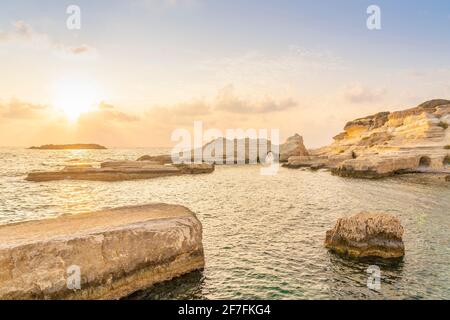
point(263, 234)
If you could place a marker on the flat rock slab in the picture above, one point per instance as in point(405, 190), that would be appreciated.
point(117, 251)
point(120, 171)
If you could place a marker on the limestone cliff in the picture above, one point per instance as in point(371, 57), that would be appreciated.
point(386, 143)
point(423, 126)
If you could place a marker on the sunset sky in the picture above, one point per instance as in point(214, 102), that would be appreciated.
point(138, 69)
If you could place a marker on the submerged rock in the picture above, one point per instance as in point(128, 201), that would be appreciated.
point(117, 252)
point(367, 235)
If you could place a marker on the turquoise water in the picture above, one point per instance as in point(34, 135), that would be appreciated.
point(263, 235)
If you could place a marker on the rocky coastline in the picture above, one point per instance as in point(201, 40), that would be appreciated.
point(415, 140)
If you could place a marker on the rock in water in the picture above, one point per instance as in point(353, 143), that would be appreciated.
point(367, 235)
point(78, 146)
point(162, 159)
point(293, 147)
point(116, 252)
point(120, 171)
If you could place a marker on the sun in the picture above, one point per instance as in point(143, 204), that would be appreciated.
point(74, 97)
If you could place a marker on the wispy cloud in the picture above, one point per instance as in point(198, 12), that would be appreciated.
point(159, 4)
point(255, 66)
point(227, 100)
point(16, 109)
point(23, 34)
point(357, 93)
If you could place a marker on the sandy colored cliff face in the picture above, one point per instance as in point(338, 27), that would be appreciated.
point(387, 143)
point(118, 252)
point(424, 125)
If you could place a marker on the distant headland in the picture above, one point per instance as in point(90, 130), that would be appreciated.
point(69, 147)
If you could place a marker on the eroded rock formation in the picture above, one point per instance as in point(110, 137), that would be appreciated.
point(367, 235)
point(236, 151)
point(293, 147)
point(388, 143)
point(117, 252)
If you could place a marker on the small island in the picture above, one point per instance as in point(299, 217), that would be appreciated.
point(80, 146)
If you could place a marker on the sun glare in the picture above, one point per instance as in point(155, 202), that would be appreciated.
point(75, 97)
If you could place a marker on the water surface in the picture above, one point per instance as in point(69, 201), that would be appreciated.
point(263, 235)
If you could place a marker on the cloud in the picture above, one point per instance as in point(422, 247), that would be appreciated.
point(180, 113)
point(228, 101)
point(16, 109)
point(273, 72)
point(225, 105)
point(107, 112)
point(23, 33)
point(358, 93)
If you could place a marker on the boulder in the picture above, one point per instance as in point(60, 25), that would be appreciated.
point(367, 235)
point(116, 252)
point(292, 147)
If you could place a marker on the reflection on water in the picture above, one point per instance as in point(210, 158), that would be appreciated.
point(263, 235)
point(184, 288)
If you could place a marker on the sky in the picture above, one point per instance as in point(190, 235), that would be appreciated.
point(137, 70)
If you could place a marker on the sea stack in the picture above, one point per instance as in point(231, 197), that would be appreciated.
point(367, 235)
point(293, 147)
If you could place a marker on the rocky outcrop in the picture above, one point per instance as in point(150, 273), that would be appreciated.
point(116, 252)
point(388, 143)
point(293, 147)
point(306, 162)
point(236, 151)
point(69, 147)
point(317, 162)
point(367, 235)
point(120, 171)
point(162, 159)
point(414, 160)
